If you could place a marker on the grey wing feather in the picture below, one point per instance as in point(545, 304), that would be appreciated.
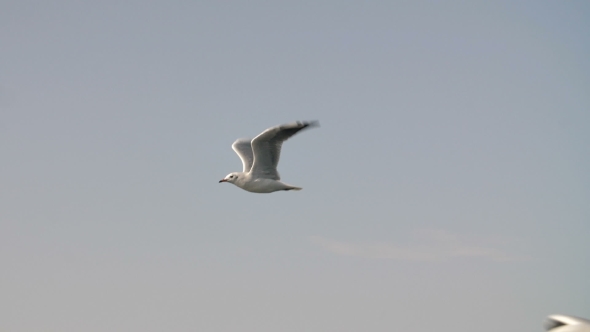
point(267, 147)
point(243, 147)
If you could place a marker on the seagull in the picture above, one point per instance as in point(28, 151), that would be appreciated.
point(260, 157)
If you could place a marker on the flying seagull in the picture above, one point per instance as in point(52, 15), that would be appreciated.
point(260, 157)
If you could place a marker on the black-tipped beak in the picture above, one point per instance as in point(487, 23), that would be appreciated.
point(222, 180)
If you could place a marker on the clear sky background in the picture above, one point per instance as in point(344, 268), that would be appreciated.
point(447, 189)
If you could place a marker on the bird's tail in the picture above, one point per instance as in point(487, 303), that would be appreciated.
point(293, 188)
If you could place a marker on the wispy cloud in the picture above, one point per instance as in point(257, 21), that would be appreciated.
point(424, 245)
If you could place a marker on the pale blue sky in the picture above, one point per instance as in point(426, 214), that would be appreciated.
point(447, 188)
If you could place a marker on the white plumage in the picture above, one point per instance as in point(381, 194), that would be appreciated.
point(260, 157)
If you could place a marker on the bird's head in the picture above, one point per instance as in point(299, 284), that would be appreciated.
point(231, 178)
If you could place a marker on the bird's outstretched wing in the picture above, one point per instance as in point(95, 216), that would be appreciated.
point(243, 148)
point(267, 148)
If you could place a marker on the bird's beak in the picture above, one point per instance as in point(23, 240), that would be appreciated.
point(222, 180)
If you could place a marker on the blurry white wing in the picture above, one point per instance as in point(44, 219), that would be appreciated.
point(243, 148)
point(563, 323)
point(267, 148)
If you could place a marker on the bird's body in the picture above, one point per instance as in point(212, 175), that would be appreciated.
point(261, 185)
point(260, 157)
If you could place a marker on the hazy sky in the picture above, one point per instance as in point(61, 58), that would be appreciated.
point(447, 189)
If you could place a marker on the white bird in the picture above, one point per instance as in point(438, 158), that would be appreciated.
point(260, 157)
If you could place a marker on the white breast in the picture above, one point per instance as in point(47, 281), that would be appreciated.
point(262, 185)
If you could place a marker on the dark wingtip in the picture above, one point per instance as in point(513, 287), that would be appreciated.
point(313, 123)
